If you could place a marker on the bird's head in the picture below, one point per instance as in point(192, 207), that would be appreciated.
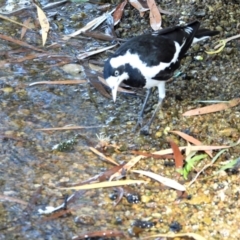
point(114, 76)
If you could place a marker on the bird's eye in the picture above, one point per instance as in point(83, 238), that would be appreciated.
point(116, 73)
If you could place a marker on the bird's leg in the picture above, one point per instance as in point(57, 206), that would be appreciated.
point(161, 90)
point(140, 116)
point(145, 129)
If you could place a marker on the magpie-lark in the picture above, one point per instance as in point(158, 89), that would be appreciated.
point(149, 60)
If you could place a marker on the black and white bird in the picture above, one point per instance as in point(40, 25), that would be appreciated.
point(149, 60)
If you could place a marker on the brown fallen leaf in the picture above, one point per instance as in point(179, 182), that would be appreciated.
point(99, 35)
point(92, 78)
point(21, 43)
point(24, 29)
point(140, 6)
point(126, 168)
point(11, 20)
point(155, 15)
point(11, 199)
point(191, 140)
point(178, 157)
point(155, 156)
point(103, 156)
point(28, 57)
point(117, 15)
point(166, 12)
point(56, 215)
point(213, 108)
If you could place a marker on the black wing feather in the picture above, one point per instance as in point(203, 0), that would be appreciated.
point(160, 44)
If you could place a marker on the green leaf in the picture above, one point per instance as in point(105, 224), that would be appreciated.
point(190, 165)
point(231, 164)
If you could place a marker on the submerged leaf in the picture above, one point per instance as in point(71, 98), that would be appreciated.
point(44, 23)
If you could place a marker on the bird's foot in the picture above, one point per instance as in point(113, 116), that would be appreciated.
point(138, 124)
point(145, 130)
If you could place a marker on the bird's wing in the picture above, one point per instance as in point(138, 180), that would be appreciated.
point(150, 49)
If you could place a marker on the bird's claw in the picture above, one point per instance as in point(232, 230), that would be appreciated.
point(138, 124)
point(145, 130)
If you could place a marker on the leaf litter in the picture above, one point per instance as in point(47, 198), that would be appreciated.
point(126, 167)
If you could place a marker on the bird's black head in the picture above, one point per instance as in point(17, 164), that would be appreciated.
point(114, 74)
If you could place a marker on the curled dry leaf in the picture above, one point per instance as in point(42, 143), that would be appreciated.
point(213, 108)
point(155, 16)
point(117, 15)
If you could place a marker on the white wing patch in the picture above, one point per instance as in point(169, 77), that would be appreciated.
point(188, 30)
point(195, 40)
point(149, 72)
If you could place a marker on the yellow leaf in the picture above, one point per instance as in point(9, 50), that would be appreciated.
point(106, 184)
point(223, 43)
point(43, 23)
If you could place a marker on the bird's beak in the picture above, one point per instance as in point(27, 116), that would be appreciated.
point(114, 93)
point(113, 83)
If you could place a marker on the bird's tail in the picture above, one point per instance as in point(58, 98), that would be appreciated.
point(188, 32)
point(203, 34)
